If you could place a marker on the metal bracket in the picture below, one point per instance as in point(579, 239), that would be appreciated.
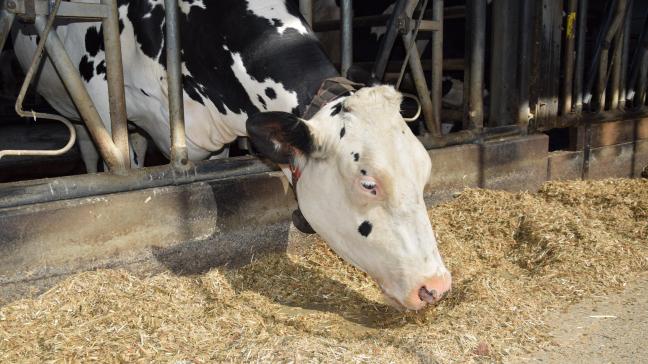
point(30, 11)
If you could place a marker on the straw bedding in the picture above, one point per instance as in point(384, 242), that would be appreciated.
point(514, 258)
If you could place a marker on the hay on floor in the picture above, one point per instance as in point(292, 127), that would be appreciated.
point(514, 258)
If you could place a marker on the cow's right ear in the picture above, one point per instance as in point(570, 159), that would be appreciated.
point(279, 135)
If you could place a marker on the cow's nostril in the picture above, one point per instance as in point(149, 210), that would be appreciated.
point(427, 296)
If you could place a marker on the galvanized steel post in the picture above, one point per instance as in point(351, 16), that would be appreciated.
point(346, 15)
point(306, 9)
point(74, 85)
point(474, 70)
point(580, 55)
point(568, 56)
point(524, 70)
point(115, 78)
point(437, 68)
point(179, 153)
point(6, 20)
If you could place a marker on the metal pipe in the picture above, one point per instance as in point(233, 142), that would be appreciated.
point(580, 55)
point(469, 136)
point(436, 90)
point(596, 57)
point(74, 85)
point(346, 14)
point(179, 153)
point(524, 75)
point(624, 57)
point(6, 21)
point(387, 43)
point(306, 9)
point(420, 83)
point(503, 67)
point(615, 82)
point(474, 71)
point(637, 58)
point(619, 14)
point(36, 61)
point(568, 56)
point(86, 185)
point(115, 78)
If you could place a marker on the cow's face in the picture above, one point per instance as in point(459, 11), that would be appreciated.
point(363, 173)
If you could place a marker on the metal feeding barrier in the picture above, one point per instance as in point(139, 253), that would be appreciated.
point(113, 146)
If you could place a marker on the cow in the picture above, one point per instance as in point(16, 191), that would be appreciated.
point(253, 68)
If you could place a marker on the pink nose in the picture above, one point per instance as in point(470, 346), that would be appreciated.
point(433, 288)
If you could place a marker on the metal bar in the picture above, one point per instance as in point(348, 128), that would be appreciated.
point(640, 98)
point(436, 90)
point(62, 188)
point(179, 153)
point(637, 58)
point(36, 61)
point(306, 9)
point(388, 40)
point(115, 78)
point(474, 73)
point(346, 14)
point(469, 136)
point(617, 61)
point(624, 57)
point(619, 13)
point(596, 57)
point(503, 105)
point(77, 10)
point(74, 85)
point(524, 75)
point(580, 55)
point(420, 83)
point(568, 56)
point(6, 21)
point(450, 12)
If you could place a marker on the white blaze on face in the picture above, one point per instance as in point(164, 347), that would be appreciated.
point(362, 191)
point(281, 99)
point(276, 10)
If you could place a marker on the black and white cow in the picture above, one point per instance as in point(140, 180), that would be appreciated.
point(253, 67)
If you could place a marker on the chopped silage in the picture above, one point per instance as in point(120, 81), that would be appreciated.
point(514, 258)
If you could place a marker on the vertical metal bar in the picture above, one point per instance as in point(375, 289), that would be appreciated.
point(346, 14)
point(179, 154)
point(421, 87)
point(436, 90)
point(624, 57)
point(637, 58)
point(115, 78)
point(617, 55)
point(592, 71)
point(74, 85)
point(474, 72)
point(6, 21)
point(526, 43)
point(580, 55)
point(503, 107)
point(568, 56)
point(306, 9)
point(387, 43)
point(619, 12)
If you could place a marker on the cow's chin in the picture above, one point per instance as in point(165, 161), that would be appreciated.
point(391, 301)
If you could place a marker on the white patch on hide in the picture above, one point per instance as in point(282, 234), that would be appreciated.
point(186, 6)
point(285, 100)
point(276, 10)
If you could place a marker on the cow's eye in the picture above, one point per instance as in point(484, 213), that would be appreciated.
point(368, 185)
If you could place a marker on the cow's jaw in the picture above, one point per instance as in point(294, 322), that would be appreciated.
point(384, 231)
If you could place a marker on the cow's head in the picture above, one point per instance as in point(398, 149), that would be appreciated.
point(363, 173)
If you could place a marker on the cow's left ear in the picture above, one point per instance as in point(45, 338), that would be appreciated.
point(279, 135)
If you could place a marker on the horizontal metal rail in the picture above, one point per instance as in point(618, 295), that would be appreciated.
point(75, 10)
point(62, 188)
